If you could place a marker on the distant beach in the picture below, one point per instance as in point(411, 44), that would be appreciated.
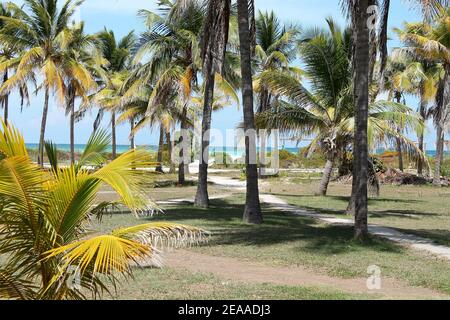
point(233, 152)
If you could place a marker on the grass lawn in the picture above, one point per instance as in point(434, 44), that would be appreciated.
point(170, 284)
point(163, 187)
point(420, 210)
point(286, 240)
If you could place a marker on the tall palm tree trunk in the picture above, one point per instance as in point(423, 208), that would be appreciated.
point(252, 213)
point(43, 126)
point(326, 177)
point(113, 135)
point(420, 163)
point(443, 102)
point(159, 159)
point(361, 94)
point(170, 149)
point(400, 154)
point(72, 129)
point(183, 147)
point(398, 142)
point(421, 138)
point(5, 100)
point(439, 154)
point(202, 198)
point(132, 137)
point(262, 155)
point(264, 105)
point(214, 41)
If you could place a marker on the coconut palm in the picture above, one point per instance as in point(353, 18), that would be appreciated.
point(252, 212)
point(420, 78)
point(275, 50)
point(40, 26)
point(214, 42)
point(9, 51)
point(170, 59)
point(359, 15)
point(396, 84)
point(118, 55)
point(87, 63)
point(431, 42)
point(326, 110)
point(45, 236)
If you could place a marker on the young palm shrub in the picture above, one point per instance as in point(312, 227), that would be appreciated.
point(327, 110)
point(45, 235)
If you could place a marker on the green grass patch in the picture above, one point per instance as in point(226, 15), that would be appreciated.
point(170, 284)
point(285, 239)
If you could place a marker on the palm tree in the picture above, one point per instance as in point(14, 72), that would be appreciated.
point(357, 11)
point(420, 78)
point(396, 84)
point(359, 14)
point(252, 213)
point(171, 45)
point(44, 233)
point(9, 51)
point(432, 43)
point(275, 50)
point(80, 53)
point(214, 43)
point(428, 8)
point(118, 55)
point(326, 111)
point(40, 27)
point(139, 104)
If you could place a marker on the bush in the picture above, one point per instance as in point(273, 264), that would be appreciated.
point(445, 167)
point(222, 159)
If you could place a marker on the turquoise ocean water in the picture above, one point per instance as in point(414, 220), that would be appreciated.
point(233, 152)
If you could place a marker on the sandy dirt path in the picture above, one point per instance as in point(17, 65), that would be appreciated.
point(227, 268)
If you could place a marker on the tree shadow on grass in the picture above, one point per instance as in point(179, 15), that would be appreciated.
point(224, 220)
point(409, 214)
point(438, 236)
point(372, 201)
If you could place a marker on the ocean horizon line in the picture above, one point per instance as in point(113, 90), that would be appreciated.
point(233, 151)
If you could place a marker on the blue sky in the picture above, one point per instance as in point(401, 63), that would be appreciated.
point(120, 16)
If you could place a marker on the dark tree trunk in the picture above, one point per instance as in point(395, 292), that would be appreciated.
point(72, 128)
point(442, 101)
point(398, 142)
point(214, 40)
point(326, 177)
point(361, 96)
point(183, 144)
point(420, 163)
point(382, 40)
point(439, 154)
point(132, 138)
point(264, 106)
point(170, 148)
point(113, 135)
point(252, 213)
point(5, 100)
point(422, 111)
point(400, 154)
point(202, 198)
point(159, 159)
point(43, 126)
